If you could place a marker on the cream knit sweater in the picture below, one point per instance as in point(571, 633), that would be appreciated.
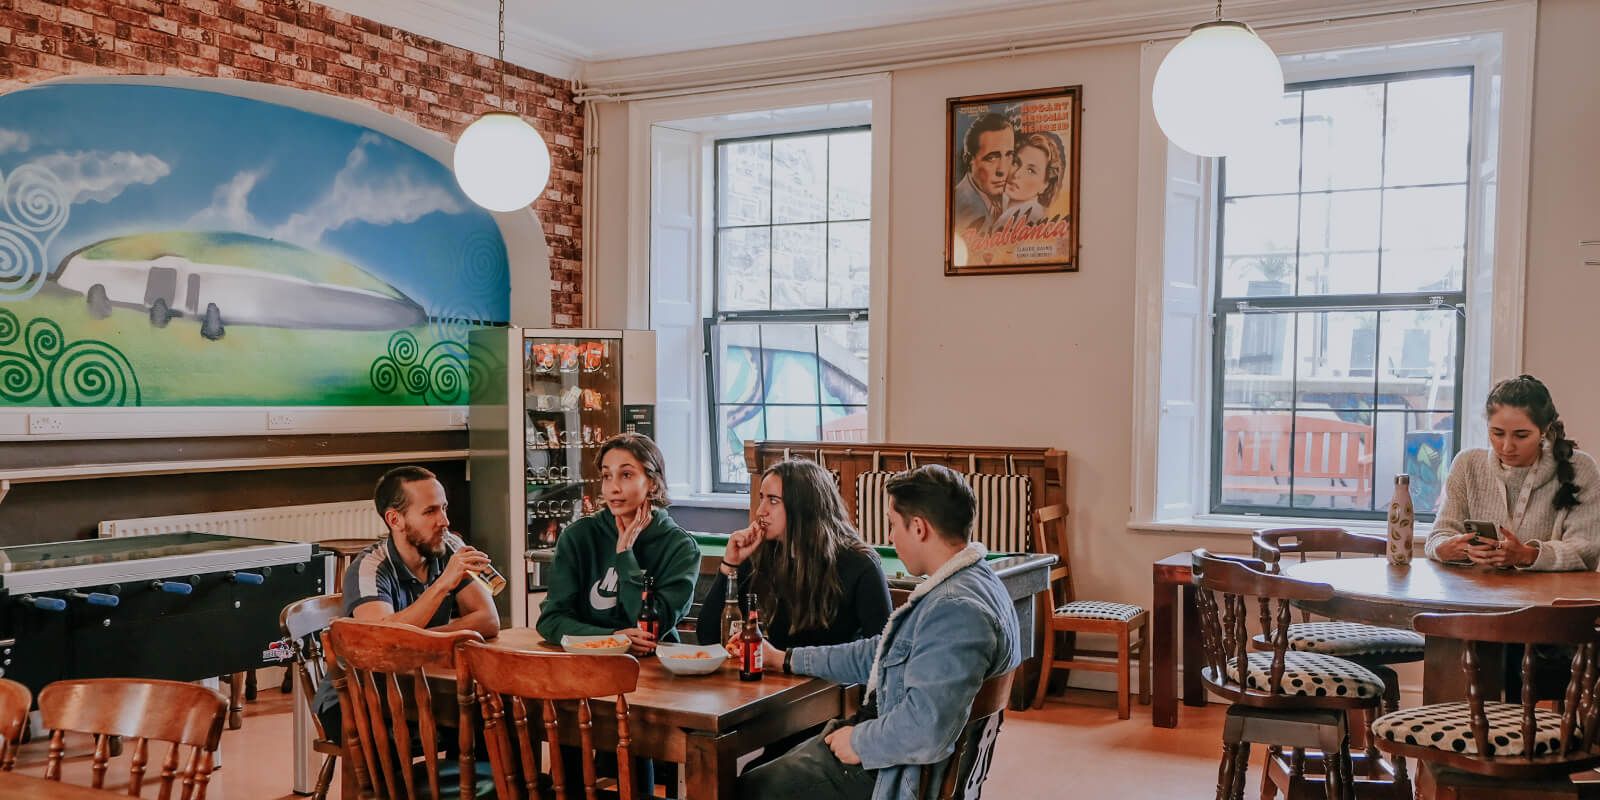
point(1568, 540)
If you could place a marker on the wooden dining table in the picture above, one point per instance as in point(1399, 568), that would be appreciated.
point(15, 784)
point(1373, 591)
point(704, 722)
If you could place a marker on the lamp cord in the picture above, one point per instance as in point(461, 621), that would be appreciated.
point(503, 26)
point(503, 5)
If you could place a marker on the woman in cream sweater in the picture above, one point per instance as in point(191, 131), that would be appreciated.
point(1533, 482)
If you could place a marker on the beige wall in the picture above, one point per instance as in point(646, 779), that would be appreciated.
point(1047, 359)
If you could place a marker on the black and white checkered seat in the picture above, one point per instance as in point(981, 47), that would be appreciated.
point(1353, 639)
point(1095, 609)
point(1448, 726)
point(1311, 675)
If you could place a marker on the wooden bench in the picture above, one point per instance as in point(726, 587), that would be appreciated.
point(1277, 446)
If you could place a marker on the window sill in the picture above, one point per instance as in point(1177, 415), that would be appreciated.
point(1235, 525)
point(733, 500)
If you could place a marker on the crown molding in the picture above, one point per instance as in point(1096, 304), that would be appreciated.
point(994, 33)
point(473, 26)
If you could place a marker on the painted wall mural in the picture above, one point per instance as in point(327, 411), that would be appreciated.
point(172, 247)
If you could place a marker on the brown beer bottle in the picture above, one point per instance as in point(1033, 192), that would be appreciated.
point(649, 620)
point(732, 621)
point(750, 657)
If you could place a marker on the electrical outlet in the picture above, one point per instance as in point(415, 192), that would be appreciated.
point(45, 424)
point(280, 420)
point(458, 418)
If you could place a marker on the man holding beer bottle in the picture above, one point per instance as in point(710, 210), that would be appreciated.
point(421, 574)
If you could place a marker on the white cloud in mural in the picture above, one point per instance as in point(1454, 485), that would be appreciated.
point(229, 209)
point(13, 141)
point(364, 194)
point(97, 176)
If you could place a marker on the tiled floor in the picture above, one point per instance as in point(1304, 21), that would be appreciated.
point(1065, 750)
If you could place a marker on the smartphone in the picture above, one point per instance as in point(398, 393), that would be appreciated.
point(1483, 532)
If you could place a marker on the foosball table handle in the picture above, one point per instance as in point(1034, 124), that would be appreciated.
point(45, 603)
point(96, 598)
point(173, 587)
point(247, 577)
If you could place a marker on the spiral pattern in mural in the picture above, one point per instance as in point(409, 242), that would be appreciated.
point(448, 376)
point(384, 374)
point(21, 269)
point(34, 199)
point(93, 373)
point(44, 339)
point(35, 209)
point(483, 265)
point(403, 348)
point(440, 376)
point(9, 328)
point(20, 378)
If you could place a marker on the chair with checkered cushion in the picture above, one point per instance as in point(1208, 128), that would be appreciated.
point(1280, 698)
point(1071, 617)
point(1376, 648)
point(1481, 748)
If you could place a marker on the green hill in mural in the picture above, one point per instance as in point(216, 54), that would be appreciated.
point(227, 279)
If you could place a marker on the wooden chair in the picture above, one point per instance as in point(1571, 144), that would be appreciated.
point(1305, 448)
point(964, 772)
point(381, 680)
point(302, 623)
point(139, 710)
point(1282, 697)
point(1479, 748)
point(505, 680)
point(1376, 648)
point(15, 702)
point(1071, 617)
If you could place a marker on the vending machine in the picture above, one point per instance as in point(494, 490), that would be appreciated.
point(543, 401)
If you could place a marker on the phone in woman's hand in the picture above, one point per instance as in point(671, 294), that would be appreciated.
point(1483, 532)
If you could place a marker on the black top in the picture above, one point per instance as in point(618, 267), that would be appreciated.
point(863, 608)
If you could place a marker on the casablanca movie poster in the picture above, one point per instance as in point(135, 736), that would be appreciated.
point(1011, 202)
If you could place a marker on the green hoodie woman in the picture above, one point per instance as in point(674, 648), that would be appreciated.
point(597, 579)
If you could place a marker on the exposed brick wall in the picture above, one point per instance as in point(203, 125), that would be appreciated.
point(308, 46)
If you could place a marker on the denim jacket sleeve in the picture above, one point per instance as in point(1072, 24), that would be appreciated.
point(952, 650)
point(840, 663)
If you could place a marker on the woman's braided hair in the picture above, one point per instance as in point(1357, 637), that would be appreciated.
point(1527, 393)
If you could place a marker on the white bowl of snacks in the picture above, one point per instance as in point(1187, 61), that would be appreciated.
point(610, 644)
point(691, 659)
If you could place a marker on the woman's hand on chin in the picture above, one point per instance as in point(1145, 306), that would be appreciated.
point(742, 544)
point(630, 526)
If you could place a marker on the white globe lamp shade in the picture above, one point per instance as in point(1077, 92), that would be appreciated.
point(501, 162)
point(1219, 91)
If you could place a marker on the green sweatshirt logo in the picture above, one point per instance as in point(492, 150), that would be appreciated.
point(603, 594)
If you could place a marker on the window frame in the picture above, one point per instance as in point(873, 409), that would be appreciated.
point(719, 317)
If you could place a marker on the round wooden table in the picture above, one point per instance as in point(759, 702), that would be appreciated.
point(1373, 591)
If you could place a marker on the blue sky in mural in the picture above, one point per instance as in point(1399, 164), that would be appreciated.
point(148, 158)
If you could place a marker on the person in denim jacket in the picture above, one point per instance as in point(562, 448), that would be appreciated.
point(957, 629)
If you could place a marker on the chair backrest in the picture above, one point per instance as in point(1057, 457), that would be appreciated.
point(1045, 520)
point(1272, 543)
point(15, 701)
point(504, 680)
point(381, 673)
point(1570, 624)
point(965, 770)
point(1224, 585)
point(1274, 445)
point(183, 715)
point(302, 624)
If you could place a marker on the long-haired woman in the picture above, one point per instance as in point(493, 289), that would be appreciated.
point(816, 582)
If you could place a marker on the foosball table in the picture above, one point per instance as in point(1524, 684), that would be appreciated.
point(180, 606)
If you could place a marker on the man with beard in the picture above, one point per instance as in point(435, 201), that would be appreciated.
point(420, 575)
point(988, 153)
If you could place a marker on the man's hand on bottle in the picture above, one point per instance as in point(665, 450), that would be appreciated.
point(639, 642)
point(463, 562)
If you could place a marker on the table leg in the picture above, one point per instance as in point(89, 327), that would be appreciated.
point(1194, 657)
point(707, 772)
point(1163, 652)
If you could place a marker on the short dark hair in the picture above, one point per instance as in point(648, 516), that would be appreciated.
point(988, 123)
point(391, 491)
point(648, 455)
point(939, 495)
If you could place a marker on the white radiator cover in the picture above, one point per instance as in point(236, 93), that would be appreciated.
point(355, 519)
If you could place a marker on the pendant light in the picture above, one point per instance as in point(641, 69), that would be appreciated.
point(1218, 92)
point(501, 162)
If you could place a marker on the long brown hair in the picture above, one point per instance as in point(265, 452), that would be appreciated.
point(1527, 393)
point(801, 573)
point(648, 455)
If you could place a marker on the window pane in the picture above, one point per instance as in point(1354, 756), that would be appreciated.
point(790, 353)
point(1273, 167)
point(844, 424)
point(1339, 243)
point(744, 183)
point(1334, 356)
point(738, 363)
point(1418, 358)
point(1424, 239)
point(850, 175)
point(849, 264)
point(844, 362)
point(796, 423)
point(1427, 131)
point(735, 426)
point(1255, 458)
point(1333, 460)
point(743, 269)
point(1419, 445)
point(1258, 246)
point(1256, 366)
point(1343, 138)
point(799, 266)
point(800, 179)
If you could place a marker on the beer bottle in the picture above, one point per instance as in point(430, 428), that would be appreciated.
point(649, 620)
point(732, 620)
point(750, 645)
